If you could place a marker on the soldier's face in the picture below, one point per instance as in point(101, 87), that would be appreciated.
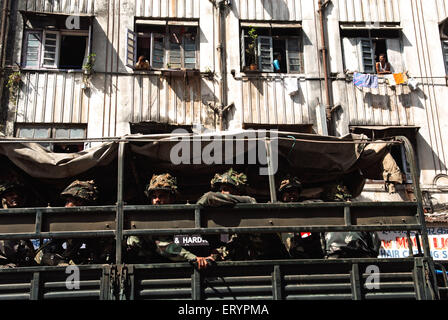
point(13, 199)
point(228, 189)
point(161, 197)
point(73, 202)
point(290, 196)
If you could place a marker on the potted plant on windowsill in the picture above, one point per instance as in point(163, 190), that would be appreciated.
point(252, 50)
point(88, 69)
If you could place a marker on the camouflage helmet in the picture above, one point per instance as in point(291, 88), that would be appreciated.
point(337, 192)
point(289, 182)
point(164, 182)
point(85, 190)
point(7, 186)
point(232, 177)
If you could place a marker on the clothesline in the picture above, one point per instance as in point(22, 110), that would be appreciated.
point(367, 80)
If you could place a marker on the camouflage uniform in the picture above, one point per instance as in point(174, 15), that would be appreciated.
point(142, 249)
point(349, 244)
point(247, 246)
point(97, 250)
point(302, 245)
point(15, 253)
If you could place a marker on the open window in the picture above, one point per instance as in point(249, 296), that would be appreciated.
point(49, 44)
point(271, 47)
point(54, 131)
point(163, 44)
point(363, 45)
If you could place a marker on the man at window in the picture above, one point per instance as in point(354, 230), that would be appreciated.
point(383, 67)
point(276, 62)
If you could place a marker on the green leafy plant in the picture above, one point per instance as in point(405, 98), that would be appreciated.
point(13, 84)
point(252, 46)
point(88, 67)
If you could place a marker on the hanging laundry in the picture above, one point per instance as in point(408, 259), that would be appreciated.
point(413, 84)
point(390, 79)
point(400, 78)
point(365, 80)
point(292, 86)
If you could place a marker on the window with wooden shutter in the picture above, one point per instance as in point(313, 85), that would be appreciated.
point(157, 50)
point(367, 55)
point(243, 50)
point(351, 55)
point(33, 42)
point(131, 49)
point(50, 56)
point(265, 54)
point(293, 55)
point(189, 53)
point(394, 55)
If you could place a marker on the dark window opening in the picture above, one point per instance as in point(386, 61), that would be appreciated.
point(73, 52)
point(261, 54)
point(379, 47)
point(152, 127)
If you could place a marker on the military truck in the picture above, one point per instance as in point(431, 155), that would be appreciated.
point(122, 166)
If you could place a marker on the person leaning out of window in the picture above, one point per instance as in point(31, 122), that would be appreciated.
point(383, 67)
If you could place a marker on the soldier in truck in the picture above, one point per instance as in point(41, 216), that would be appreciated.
point(161, 190)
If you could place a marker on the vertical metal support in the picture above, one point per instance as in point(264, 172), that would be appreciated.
point(419, 279)
point(119, 216)
point(270, 171)
point(131, 282)
point(421, 214)
point(197, 217)
point(355, 282)
point(38, 225)
point(277, 293)
point(418, 239)
point(410, 245)
point(35, 284)
point(347, 215)
point(104, 284)
point(196, 285)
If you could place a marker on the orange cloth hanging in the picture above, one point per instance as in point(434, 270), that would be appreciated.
point(400, 78)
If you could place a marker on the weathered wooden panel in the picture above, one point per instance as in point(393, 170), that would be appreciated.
point(368, 10)
point(59, 6)
point(265, 101)
point(167, 8)
point(382, 106)
point(285, 10)
point(165, 99)
point(52, 97)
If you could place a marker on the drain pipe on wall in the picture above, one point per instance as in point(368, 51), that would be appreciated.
point(328, 107)
point(3, 43)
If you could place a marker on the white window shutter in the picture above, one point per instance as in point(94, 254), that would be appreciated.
point(351, 60)
point(394, 55)
point(243, 50)
point(265, 54)
point(293, 55)
point(32, 49)
point(366, 55)
point(189, 53)
point(50, 56)
point(131, 49)
point(157, 51)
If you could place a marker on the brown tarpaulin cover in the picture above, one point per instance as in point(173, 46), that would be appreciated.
point(314, 159)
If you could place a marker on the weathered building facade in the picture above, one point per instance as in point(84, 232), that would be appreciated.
point(199, 52)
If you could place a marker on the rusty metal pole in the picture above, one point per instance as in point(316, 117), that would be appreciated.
point(325, 66)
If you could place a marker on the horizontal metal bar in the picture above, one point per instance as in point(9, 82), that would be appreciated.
point(233, 280)
point(313, 277)
point(192, 207)
point(398, 295)
point(237, 289)
point(401, 275)
point(318, 287)
point(320, 297)
point(251, 298)
point(15, 286)
point(393, 285)
point(165, 282)
point(165, 292)
point(61, 269)
point(61, 234)
point(15, 296)
point(140, 232)
point(72, 294)
point(87, 283)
